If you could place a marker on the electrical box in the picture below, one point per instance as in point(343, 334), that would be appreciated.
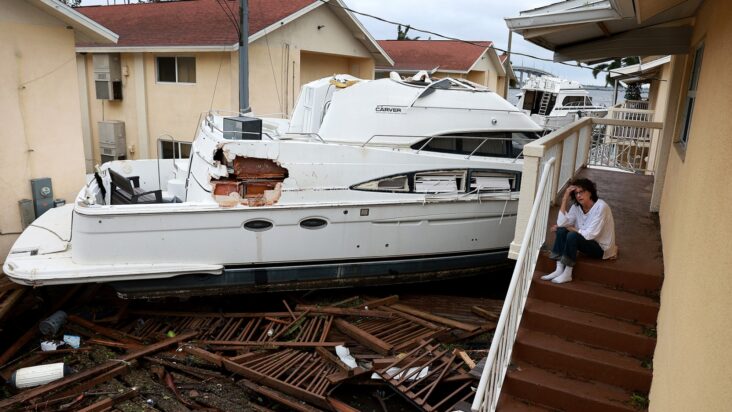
point(42, 195)
point(112, 140)
point(242, 128)
point(27, 214)
point(107, 76)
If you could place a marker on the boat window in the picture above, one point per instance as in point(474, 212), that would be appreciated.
point(258, 225)
point(388, 184)
point(439, 182)
point(492, 182)
point(313, 223)
point(487, 144)
point(573, 101)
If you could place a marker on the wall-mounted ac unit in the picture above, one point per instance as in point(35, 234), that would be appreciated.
point(107, 76)
point(112, 141)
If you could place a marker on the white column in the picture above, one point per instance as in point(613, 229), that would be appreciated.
point(86, 131)
point(143, 133)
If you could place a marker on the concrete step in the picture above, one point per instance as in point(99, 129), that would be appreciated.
point(604, 272)
point(588, 327)
point(558, 391)
point(553, 352)
point(509, 403)
point(594, 297)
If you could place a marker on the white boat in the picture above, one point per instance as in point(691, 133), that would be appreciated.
point(553, 102)
point(381, 179)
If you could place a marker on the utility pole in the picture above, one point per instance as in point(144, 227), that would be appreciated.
point(507, 64)
point(244, 57)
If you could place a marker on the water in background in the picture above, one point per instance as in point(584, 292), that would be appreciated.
point(600, 96)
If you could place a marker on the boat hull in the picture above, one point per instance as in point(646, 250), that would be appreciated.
point(307, 276)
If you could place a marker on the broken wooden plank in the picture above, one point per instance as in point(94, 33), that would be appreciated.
point(465, 357)
point(364, 338)
point(91, 372)
point(339, 406)
point(345, 311)
point(280, 397)
point(107, 403)
point(435, 318)
point(345, 301)
point(375, 303)
point(233, 343)
point(483, 313)
point(105, 331)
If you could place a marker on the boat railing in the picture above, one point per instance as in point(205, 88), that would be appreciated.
point(499, 355)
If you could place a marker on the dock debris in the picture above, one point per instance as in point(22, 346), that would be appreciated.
point(301, 358)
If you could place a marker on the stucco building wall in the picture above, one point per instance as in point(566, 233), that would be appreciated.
point(279, 63)
point(692, 358)
point(39, 102)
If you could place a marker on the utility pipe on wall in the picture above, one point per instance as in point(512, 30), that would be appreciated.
point(244, 57)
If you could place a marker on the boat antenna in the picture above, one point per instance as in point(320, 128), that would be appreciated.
point(244, 57)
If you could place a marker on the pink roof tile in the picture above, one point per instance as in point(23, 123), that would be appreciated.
point(186, 22)
point(428, 54)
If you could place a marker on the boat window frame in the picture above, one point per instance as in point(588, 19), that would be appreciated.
point(465, 189)
point(509, 139)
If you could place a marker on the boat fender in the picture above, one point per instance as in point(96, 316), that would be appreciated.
point(39, 375)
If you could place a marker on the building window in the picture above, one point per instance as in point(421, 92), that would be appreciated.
point(691, 96)
point(176, 69)
point(174, 150)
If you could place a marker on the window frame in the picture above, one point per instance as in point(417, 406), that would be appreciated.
point(177, 74)
point(692, 87)
point(178, 150)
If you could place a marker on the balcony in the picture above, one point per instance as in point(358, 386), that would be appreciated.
point(584, 345)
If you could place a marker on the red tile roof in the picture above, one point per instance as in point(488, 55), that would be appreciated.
point(428, 54)
point(187, 22)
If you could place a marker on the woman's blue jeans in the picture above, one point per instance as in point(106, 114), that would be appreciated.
point(566, 245)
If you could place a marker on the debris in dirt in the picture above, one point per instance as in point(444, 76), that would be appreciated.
point(298, 359)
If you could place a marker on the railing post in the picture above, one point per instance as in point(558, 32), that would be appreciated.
point(529, 179)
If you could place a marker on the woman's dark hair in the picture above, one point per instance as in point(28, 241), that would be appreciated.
point(585, 184)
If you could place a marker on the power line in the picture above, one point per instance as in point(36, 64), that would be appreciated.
point(578, 65)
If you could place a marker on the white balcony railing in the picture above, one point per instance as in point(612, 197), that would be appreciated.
point(549, 163)
point(499, 355)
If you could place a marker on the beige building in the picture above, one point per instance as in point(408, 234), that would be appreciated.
point(39, 102)
point(690, 95)
point(176, 60)
point(474, 61)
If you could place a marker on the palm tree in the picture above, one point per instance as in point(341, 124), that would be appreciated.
point(402, 34)
point(612, 65)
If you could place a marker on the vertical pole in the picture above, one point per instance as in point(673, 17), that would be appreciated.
point(507, 64)
point(244, 57)
point(615, 93)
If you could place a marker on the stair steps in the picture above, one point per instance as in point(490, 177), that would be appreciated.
point(585, 345)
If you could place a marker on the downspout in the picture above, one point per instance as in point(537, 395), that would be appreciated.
point(244, 57)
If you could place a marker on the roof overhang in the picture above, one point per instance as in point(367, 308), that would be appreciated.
point(84, 28)
point(159, 49)
point(339, 9)
point(598, 30)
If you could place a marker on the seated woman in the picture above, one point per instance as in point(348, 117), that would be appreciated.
point(587, 226)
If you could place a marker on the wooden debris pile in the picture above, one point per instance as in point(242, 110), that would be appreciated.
point(297, 359)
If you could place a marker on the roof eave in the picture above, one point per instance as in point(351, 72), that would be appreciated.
point(572, 13)
point(79, 22)
point(158, 49)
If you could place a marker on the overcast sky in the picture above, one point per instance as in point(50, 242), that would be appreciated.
point(463, 19)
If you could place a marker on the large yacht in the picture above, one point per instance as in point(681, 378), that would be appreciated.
point(553, 102)
point(384, 180)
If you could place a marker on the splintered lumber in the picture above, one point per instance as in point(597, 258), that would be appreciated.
point(465, 357)
point(374, 303)
point(104, 377)
point(296, 373)
point(280, 397)
point(435, 318)
point(104, 331)
point(345, 301)
point(107, 403)
point(364, 338)
point(89, 373)
point(265, 344)
point(492, 316)
point(345, 311)
point(339, 406)
point(17, 345)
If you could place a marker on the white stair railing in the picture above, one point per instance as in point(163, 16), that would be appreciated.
point(499, 356)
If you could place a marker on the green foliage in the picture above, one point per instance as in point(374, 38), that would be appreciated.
point(72, 3)
point(633, 92)
point(612, 65)
point(639, 401)
point(402, 33)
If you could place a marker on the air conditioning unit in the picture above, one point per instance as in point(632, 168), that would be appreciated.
point(112, 141)
point(107, 76)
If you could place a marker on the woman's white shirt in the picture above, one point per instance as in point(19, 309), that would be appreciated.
point(597, 224)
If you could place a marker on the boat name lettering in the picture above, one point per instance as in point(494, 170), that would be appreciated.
point(390, 109)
